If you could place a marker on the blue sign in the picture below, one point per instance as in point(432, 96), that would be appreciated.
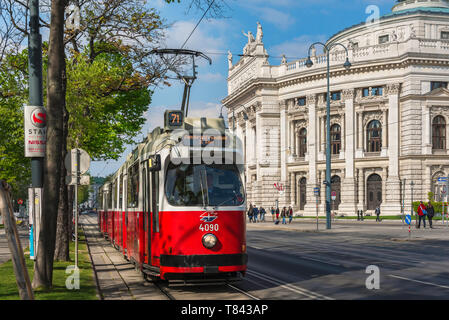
point(442, 179)
point(408, 219)
point(316, 191)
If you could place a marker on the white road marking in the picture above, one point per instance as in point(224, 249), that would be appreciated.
point(418, 281)
point(296, 289)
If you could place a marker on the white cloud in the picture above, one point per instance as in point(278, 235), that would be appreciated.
point(297, 48)
point(280, 19)
point(211, 77)
point(208, 36)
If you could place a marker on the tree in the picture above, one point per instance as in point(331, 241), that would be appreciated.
point(43, 267)
point(14, 167)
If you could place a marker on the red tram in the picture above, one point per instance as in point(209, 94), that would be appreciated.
point(176, 207)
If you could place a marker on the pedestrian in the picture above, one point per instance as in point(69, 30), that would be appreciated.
point(284, 215)
point(277, 215)
point(377, 212)
point(290, 214)
point(273, 212)
point(430, 214)
point(262, 214)
point(422, 212)
point(256, 213)
point(250, 212)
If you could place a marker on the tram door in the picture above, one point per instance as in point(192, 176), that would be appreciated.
point(147, 215)
point(154, 221)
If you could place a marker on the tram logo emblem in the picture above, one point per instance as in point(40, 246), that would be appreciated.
point(209, 216)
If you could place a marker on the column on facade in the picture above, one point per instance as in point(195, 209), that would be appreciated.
point(284, 178)
point(292, 189)
point(392, 204)
point(343, 136)
point(291, 143)
point(384, 151)
point(427, 130)
point(359, 132)
point(361, 185)
point(322, 137)
point(259, 142)
point(312, 153)
point(348, 193)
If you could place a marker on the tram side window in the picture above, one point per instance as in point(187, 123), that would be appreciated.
point(114, 192)
point(133, 186)
point(100, 200)
point(109, 199)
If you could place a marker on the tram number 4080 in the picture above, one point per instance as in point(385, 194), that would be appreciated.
point(209, 227)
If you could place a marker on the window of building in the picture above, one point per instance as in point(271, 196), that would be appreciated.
point(302, 101)
point(302, 142)
point(376, 91)
point(365, 92)
point(445, 35)
point(133, 186)
point(439, 133)
point(384, 39)
point(437, 84)
point(335, 139)
point(374, 136)
point(336, 95)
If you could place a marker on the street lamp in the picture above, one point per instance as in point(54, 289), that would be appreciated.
point(327, 181)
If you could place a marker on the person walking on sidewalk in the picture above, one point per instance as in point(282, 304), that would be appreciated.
point(284, 215)
point(377, 212)
point(290, 214)
point(430, 214)
point(422, 212)
point(262, 214)
point(277, 215)
point(250, 213)
point(255, 213)
point(273, 212)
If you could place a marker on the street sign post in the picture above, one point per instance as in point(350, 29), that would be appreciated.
point(408, 220)
point(77, 162)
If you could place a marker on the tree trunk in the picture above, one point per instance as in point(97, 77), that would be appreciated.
point(43, 267)
point(63, 234)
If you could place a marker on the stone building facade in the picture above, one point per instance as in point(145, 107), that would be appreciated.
point(389, 115)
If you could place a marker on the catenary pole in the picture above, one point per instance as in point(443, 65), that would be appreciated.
point(35, 96)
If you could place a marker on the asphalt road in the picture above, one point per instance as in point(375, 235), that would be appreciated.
point(291, 262)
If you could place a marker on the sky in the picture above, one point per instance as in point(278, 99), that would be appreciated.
point(289, 27)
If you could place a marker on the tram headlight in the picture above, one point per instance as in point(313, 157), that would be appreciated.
point(209, 240)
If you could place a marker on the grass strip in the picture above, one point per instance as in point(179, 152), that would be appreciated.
point(59, 291)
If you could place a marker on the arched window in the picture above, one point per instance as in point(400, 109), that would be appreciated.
point(439, 133)
point(374, 136)
point(335, 139)
point(302, 142)
point(374, 191)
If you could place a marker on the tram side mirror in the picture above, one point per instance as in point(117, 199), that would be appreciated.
point(154, 163)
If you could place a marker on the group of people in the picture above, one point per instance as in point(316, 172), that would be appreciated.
point(424, 211)
point(254, 213)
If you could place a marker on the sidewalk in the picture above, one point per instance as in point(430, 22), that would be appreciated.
point(390, 229)
point(116, 277)
point(5, 254)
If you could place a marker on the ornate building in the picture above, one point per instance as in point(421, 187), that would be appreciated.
point(389, 114)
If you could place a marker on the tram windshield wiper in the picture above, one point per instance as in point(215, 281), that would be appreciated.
point(234, 197)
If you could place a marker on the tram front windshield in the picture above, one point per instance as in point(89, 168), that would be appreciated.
point(203, 185)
